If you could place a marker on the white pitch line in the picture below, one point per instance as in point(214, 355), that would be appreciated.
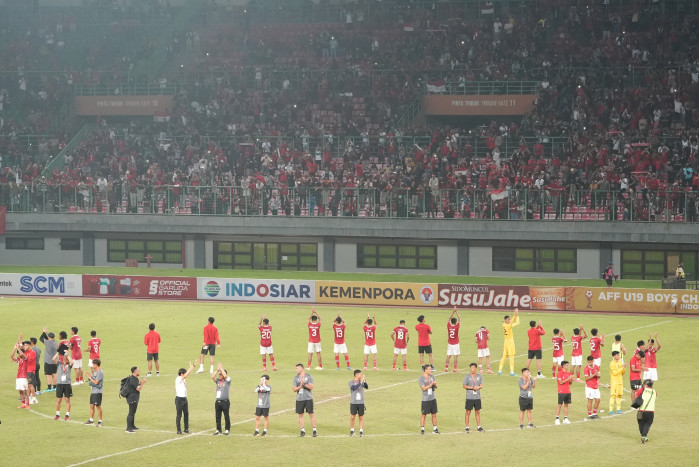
point(160, 443)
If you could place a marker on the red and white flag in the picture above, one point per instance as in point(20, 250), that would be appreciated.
point(487, 8)
point(497, 195)
point(3, 215)
point(438, 86)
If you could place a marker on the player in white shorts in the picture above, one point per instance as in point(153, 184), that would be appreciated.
point(454, 349)
point(482, 353)
point(266, 350)
point(340, 348)
point(21, 384)
point(370, 349)
point(557, 361)
point(398, 351)
point(314, 347)
point(576, 360)
point(78, 364)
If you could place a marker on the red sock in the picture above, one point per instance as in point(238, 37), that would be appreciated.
point(405, 366)
point(271, 359)
point(264, 360)
point(374, 361)
point(347, 360)
point(337, 361)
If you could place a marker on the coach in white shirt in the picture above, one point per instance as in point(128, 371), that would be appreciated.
point(181, 398)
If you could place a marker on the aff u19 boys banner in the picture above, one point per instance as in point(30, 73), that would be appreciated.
point(376, 293)
point(47, 285)
point(632, 300)
point(253, 290)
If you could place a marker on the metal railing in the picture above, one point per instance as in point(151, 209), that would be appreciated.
point(145, 89)
point(392, 201)
point(58, 162)
point(283, 11)
point(490, 87)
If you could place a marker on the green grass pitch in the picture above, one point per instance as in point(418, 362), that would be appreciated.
point(393, 401)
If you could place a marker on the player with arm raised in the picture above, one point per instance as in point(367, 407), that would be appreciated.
point(453, 347)
point(596, 344)
point(576, 360)
point(558, 339)
point(509, 346)
point(482, 338)
point(370, 340)
point(652, 349)
point(266, 343)
point(400, 338)
point(339, 345)
point(314, 339)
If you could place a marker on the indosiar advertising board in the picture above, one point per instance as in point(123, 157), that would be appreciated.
point(254, 290)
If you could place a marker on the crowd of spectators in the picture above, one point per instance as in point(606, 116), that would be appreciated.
point(306, 119)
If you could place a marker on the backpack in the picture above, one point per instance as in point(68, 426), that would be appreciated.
point(124, 388)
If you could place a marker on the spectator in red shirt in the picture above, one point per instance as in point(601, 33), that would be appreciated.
point(423, 341)
point(152, 342)
point(211, 341)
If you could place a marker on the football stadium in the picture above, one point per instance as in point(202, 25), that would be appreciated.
point(379, 231)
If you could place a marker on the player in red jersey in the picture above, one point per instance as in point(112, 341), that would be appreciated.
point(400, 338)
point(370, 340)
point(21, 384)
point(31, 369)
point(314, 339)
point(564, 379)
point(266, 343)
point(77, 355)
point(592, 387)
point(453, 347)
point(152, 342)
point(424, 345)
point(339, 346)
point(652, 349)
point(596, 344)
point(576, 361)
point(211, 343)
point(482, 338)
point(94, 345)
point(558, 339)
point(534, 333)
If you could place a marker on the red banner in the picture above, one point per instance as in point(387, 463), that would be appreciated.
point(3, 214)
point(139, 286)
point(484, 296)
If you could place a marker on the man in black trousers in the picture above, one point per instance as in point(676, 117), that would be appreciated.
point(134, 395)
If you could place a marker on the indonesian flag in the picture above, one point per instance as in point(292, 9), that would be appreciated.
point(497, 195)
point(407, 27)
point(438, 86)
point(487, 8)
point(3, 213)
